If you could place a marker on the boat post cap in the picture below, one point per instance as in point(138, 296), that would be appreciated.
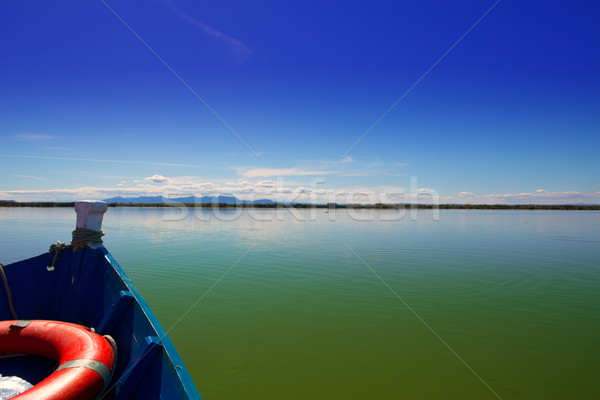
point(94, 206)
point(90, 213)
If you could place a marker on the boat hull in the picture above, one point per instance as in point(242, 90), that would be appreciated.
point(88, 287)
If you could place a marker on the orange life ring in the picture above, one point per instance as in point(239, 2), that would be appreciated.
point(85, 359)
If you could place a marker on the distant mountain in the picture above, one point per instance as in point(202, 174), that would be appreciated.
point(7, 201)
point(135, 200)
point(189, 200)
point(261, 201)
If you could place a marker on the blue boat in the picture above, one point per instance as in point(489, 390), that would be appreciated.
point(81, 283)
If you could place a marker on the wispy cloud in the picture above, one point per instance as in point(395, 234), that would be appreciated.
point(180, 79)
point(367, 166)
point(37, 178)
point(267, 172)
point(33, 137)
point(59, 148)
point(375, 173)
point(344, 167)
point(102, 161)
point(236, 48)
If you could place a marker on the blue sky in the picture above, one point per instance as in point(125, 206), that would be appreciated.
point(471, 101)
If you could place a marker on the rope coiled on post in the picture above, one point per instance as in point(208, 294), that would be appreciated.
point(83, 236)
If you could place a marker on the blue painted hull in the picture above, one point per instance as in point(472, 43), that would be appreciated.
point(88, 287)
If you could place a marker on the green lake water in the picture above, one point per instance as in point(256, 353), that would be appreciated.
point(275, 305)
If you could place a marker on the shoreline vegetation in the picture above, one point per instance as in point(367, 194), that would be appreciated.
point(378, 206)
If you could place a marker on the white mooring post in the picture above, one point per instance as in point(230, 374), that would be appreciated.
point(89, 216)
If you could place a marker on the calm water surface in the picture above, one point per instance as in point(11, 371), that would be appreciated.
point(478, 305)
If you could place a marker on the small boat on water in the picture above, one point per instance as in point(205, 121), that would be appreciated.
point(74, 326)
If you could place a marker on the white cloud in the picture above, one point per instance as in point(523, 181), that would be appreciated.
point(265, 184)
point(539, 197)
point(158, 179)
point(347, 159)
point(280, 190)
point(186, 186)
point(240, 182)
